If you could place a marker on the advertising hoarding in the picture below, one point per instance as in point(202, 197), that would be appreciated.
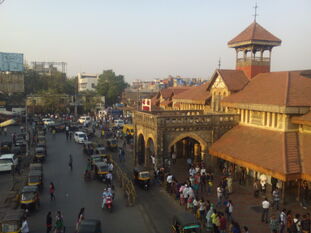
point(13, 62)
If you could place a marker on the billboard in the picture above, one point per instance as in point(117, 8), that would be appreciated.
point(12, 62)
point(146, 105)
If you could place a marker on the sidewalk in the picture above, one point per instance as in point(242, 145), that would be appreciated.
point(247, 209)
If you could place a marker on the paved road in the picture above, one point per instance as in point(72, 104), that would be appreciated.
point(151, 214)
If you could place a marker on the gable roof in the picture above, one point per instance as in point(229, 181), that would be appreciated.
point(254, 33)
point(235, 80)
point(199, 93)
point(287, 88)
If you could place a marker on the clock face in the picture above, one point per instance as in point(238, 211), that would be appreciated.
point(219, 83)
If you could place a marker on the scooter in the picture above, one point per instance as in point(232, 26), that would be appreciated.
point(108, 203)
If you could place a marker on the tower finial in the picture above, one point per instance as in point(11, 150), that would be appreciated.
point(219, 63)
point(255, 15)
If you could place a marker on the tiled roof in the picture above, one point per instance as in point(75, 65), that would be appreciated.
point(170, 91)
point(254, 32)
point(194, 93)
point(235, 80)
point(305, 148)
point(166, 103)
point(288, 88)
point(260, 150)
point(304, 119)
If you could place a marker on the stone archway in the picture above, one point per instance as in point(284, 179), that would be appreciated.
point(141, 150)
point(150, 150)
point(194, 136)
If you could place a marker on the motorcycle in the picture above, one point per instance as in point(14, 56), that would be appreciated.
point(108, 203)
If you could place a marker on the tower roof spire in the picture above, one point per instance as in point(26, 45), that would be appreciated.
point(255, 15)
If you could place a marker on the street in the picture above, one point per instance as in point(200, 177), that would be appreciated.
point(152, 213)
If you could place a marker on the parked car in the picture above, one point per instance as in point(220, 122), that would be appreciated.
point(80, 137)
point(6, 162)
point(84, 120)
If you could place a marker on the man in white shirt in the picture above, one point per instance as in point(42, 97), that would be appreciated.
point(265, 210)
point(169, 181)
point(283, 220)
point(25, 228)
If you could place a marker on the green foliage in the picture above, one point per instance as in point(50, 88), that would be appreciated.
point(53, 101)
point(111, 86)
point(57, 81)
point(89, 99)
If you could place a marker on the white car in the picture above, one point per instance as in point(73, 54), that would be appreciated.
point(48, 121)
point(84, 120)
point(80, 137)
point(6, 162)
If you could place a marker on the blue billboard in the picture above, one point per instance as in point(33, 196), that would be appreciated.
point(12, 62)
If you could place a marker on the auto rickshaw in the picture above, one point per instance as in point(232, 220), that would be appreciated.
point(100, 150)
point(142, 177)
point(11, 221)
point(29, 197)
point(88, 148)
point(35, 178)
point(185, 223)
point(6, 147)
point(39, 154)
point(42, 145)
point(101, 170)
point(112, 144)
point(35, 167)
point(41, 139)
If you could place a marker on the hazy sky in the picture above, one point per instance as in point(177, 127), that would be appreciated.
point(147, 39)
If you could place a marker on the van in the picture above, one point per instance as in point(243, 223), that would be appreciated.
point(6, 162)
point(80, 137)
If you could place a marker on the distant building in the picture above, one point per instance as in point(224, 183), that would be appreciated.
point(87, 82)
point(48, 68)
point(11, 73)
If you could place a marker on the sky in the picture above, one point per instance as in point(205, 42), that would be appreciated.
point(148, 39)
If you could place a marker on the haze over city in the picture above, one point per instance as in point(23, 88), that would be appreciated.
point(150, 39)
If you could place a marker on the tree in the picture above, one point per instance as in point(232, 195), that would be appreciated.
point(111, 86)
point(89, 100)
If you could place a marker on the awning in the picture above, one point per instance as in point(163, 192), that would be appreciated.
point(260, 150)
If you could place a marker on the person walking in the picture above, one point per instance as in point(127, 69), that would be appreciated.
point(59, 223)
point(49, 222)
point(274, 223)
point(80, 218)
point(276, 198)
point(70, 162)
point(283, 220)
point(265, 210)
point(25, 227)
point(219, 195)
point(229, 210)
point(52, 191)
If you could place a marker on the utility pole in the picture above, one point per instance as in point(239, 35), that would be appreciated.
point(76, 96)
